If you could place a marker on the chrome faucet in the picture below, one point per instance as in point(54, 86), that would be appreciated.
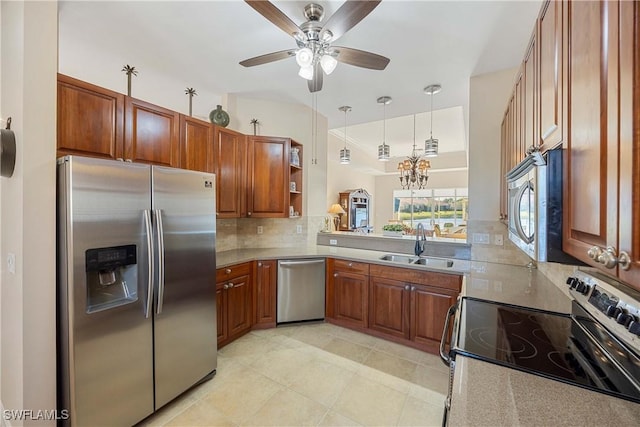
point(420, 242)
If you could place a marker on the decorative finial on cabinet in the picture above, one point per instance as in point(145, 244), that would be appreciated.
point(255, 124)
point(191, 92)
point(129, 71)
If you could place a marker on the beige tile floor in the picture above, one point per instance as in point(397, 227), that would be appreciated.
point(314, 375)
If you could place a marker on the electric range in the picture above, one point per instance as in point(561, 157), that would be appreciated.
point(596, 346)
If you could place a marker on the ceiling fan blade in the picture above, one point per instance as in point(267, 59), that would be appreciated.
point(315, 85)
point(269, 57)
point(275, 15)
point(347, 16)
point(361, 58)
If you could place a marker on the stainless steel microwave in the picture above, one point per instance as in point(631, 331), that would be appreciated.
point(535, 205)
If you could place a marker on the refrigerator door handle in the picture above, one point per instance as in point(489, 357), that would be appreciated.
point(149, 232)
point(160, 233)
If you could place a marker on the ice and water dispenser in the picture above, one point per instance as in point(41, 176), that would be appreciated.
point(112, 277)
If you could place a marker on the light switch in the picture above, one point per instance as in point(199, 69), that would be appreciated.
point(260, 229)
point(498, 239)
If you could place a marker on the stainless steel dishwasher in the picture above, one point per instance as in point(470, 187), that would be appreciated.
point(301, 290)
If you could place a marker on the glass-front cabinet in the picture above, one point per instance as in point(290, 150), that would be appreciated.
point(356, 204)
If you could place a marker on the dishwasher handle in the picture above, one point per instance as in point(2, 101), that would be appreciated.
point(301, 262)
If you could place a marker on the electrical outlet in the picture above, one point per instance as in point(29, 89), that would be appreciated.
point(482, 238)
point(11, 263)
point(498, 239)
point(333, 241)
point(260, 229)
point(299, 229)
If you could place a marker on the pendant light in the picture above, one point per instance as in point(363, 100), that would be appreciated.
point(431, 144)
point(345, 153)
point(383, 150)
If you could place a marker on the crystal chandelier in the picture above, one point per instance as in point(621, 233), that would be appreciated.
point(413, 170)
point(383, 149)
point(345, 153)
point(431, 144)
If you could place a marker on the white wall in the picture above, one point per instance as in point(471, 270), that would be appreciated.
point(488, 97)
point(385, 184)
point(28, 87)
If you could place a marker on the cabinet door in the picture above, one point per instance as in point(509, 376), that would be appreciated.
point(230, 167)
point(268, 187)
point(389, 307)
point(151, 134)
point(552, 91)
point(239, 301)
point(196, 144)
point(529, 96)
point(503, 167)
point(90, 119)
point(350, 298)
point(428, 313)
point(266, 293)
point(590, 214)
point(221, 313)
point(629, 222)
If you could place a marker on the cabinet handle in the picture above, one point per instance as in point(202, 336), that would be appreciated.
point(225, 286)
point(413, 288)
point(407, 287)
point(609, 259)
point(350, 265)
point(120, 159)
point(335, 274)
point(259, 264)
point(594, 252)
point(228, 271)
point(231, 285)
point(249, 213)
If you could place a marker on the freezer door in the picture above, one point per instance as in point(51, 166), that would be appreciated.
point(185, 309)
point(105, 340)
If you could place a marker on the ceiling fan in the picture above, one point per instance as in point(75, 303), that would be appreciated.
point(315, 54)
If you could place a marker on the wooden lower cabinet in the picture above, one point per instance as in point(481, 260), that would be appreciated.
point(428, 309)
point(347, 293)
point(266, 276)
point(389, 304)
point(234, 302)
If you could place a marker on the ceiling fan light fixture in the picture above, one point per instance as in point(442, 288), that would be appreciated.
point(306, 73)
point(304, 57)
point(328, 63)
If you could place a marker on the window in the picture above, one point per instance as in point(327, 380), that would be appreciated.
point(447, 208)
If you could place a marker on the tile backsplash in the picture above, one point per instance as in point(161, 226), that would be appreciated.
point(490, 242)
point(242, 233)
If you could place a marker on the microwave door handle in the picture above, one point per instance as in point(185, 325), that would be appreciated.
point(160, 234)
point(446, 358)
point(149, 234)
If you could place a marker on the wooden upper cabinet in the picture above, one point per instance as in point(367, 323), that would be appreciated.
point(268, 173)
point(230, 169)
point(151, 134)
point(629, 207)
point(590, 214)
point(90, 119)
point(196, 144)
point(552, 77)
point(529, 97)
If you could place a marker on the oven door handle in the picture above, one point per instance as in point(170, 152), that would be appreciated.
point(446, 358)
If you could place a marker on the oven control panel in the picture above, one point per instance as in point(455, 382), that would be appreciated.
point(612, 303)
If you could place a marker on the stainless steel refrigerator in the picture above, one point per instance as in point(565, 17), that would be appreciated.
point(136, 287)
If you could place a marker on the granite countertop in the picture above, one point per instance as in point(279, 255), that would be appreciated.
point(484, 393)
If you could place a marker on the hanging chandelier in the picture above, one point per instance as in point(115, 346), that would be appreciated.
point(384, 153)
point(345, 153)
point(431, 144)
point(413, 170)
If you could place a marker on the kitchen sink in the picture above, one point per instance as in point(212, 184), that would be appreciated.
point(434, 262)
point(404, 259)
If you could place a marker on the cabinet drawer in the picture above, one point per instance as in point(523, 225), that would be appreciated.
point(429, 278)
point(232, 271)
point(351, 266)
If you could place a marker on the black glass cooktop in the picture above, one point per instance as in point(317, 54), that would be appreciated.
point(570, 348)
